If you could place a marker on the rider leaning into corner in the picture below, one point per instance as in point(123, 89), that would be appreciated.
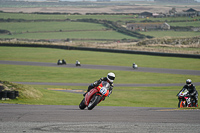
point(192, 91)
point(110, 79)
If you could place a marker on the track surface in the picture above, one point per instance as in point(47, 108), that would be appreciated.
point(121, 68)
point(58, 118)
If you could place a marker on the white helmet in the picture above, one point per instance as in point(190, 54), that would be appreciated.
point(111, 77)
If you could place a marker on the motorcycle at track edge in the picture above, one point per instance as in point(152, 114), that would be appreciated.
point(183, 96)
point(95, 96)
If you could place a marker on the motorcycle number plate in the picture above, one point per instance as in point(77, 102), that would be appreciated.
point(103, 90)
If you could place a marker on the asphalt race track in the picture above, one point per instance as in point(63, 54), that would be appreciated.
point(121, 68)
point(17, 118)
point(56, 118)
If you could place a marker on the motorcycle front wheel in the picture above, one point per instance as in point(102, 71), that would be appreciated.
point(180, 103)
point(82, 104)
point(94, 101)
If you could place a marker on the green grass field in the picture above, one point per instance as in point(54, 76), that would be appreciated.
point(122, 96)
point(162, 34)
point(20, 27)
point(60, 30)
point(120, 18)
point(76, 75)
point(83, 30)
point(71, 35)
point(181, 24)
point(50, 16)
point(96, 58)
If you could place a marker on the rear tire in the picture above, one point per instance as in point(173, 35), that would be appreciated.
point(94, 101)
point(82, 104)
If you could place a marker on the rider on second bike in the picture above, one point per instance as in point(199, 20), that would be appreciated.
point(192, 92)
point(110, 79)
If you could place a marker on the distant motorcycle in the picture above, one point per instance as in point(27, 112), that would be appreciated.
point(78, 63)
point(95, 96)
point(61, 62)
point(135, 66)
point(183, 96)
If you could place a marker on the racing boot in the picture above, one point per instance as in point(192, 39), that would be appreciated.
point(196, 104)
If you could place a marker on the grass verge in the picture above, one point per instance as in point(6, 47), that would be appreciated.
point(17, 73)
point(96, 58)
point(121, 96)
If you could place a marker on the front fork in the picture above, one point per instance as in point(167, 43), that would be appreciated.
point(188, 102)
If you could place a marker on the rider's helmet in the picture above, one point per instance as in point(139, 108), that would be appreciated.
point(111, 77)
point(188, 82)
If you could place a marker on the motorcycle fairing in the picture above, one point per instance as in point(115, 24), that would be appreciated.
point(183, 92)
point(89, 95)
point(100, 87)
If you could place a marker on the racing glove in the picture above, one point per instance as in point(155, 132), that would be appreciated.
point(112, 85)
point(96, 83)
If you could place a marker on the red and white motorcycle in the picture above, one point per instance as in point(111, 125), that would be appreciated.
point(95, 96)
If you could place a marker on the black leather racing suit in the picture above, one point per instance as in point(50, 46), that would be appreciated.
point(192, 93)
point(98, 82)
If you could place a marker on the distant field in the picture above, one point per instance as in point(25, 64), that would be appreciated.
point(71, 35)
point(85, 30)
point(120, 18)
point(53, 16)
point(160, 34)
point(20, 27)
point(59, 30)
point(184, 24)
point(64, 30)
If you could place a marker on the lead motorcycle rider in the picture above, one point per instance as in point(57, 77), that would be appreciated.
point(192, 92)
point(110, 79)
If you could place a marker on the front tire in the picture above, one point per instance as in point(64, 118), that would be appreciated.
point(180, 103)
point(82, 104)
point(94, 101)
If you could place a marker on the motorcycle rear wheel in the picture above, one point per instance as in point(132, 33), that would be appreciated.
point(94, 101)
point(82, 104)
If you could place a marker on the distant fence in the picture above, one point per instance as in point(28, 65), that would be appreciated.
point(104, 50)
